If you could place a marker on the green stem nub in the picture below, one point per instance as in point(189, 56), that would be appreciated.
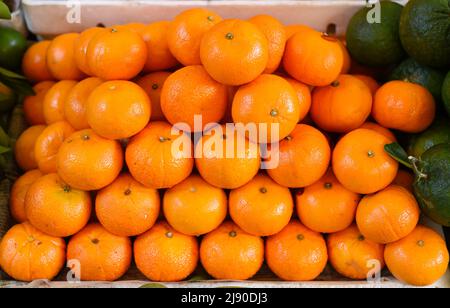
point(229, 36)
point(233, 234)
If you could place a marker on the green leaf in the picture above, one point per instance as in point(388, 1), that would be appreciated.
point(4, 150)
point(396, 151)
point(153, 286)
point(18, 83)
point(4, 11)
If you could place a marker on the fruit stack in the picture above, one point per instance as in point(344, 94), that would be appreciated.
point(128, 155)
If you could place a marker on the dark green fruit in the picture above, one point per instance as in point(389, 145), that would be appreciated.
point(446, 93)
point(438, 133)
point(12, 48)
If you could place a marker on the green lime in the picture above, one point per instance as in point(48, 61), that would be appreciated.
point(446, 93)
point(7, 98)
point(12, 47)
point(438, 133)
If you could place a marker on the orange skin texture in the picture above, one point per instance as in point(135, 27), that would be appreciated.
point(24, 148)
point(304, 97)
point(116, 54)
point(26, 254)
point(370, 82)
point(420, 259)
point(261, 207)
point(150, 159)
point(34, 62)
point(269, 99)
point(55, 99)
point(76, 103)
point(48, 143)
point(191, 91)
point(234, 52)
point(405, 179)
point(304, 158)
point(163, 254)
point(18, 193)
point(350, 253)
point(341, 107)
point(159, 56)
point(33, 106)
point(296, 253)
point(404, 106)
point(103, 256)
point(380, 129)
point(55, 208)
point(361, 164)
point(126, 207)
point(388, 215)
point(219, 169)
point(313, 58)
point(118, 109)
point(230, 253)
point(291, 30)
point(136, 27)
point(347, 63)
point(327, 206)
point(152, 84)
point(186, 31)
point(81, 48)
point(275, 33)
point(195, 207)
point(87, 161)
point(61, 58)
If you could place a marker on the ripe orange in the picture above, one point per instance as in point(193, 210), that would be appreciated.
point(327, 206)
point(352, 255)
point(102, 256)
point(380, 129)
point(87, 161)
point(152, 162)
point(234, 52)
point(163, 254)
point(18, 193)
point(126, 207)
point(304, 97)
point(135, 27)
point(304, 157)
point(81, 48)
point(118, 109)
point(55, 208)
point(266, 101)
point(232, 254)
point(34, 62)
point(261, 207)
point(27, 254)
point(405, 179)
point(24, 147)
point(61, 58)
point(152, 85)
point(33, 106)
point(296, 253)
point(388, 216)
point(195, 207)
point(370, 82)
point(55, 98)
point(190, 91)
point(361, 164)
point(48, 143)
point(186, 32)
point(346, 66)
point(291, 30)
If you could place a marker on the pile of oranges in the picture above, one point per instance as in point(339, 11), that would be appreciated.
point(102, 183)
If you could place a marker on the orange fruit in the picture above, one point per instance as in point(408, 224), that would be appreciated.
point(291, 30)
point(347, 64)
point(33, 106)
point(261, 207)
point(405, 179)
point(152, 85)
point(24, 147)
point(327, 206)
point(234, 52)
point(267, 100)
point(275, 33)
point(118, 109)
point(388, 215)
point(136, 27)
point(380, 129)
point(190, 91)
point(304, 97)
point(34, 62)
point(313, 58)
point(152, 162)
point(370, 82)
point(102, 256)
point(230, 253)
point(159, 56)
point(352, 255)
point(163, 254)
point(304, 157)
point(342, 106)
point(76, 102)
point(195, 207)
point(420, 259)
point(55, 208)
point(361, 164)
point(230, 164)
point(404, 106)
point(81, 48)
point(116, 54)
point(48, 143)
point(296, 253)
point(126, 207)
point(61, 58)
point(18, 193)
point(87, 161)
point(186, 31)
point(26, 254)
point(54, 101)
